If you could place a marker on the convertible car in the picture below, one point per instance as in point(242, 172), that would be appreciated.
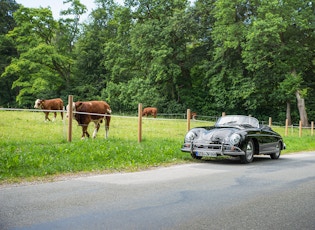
point(233, 135)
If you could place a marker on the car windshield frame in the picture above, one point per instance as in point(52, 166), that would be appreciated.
point(237, 120)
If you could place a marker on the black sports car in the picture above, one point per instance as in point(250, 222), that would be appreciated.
point(234, 135)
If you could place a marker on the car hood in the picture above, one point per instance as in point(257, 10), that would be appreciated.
point(215, 135)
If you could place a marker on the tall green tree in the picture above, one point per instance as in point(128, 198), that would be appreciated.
point(7, 8)
point(66, 38)
point(33, 37)
point(90, 72)
point(257, 45)
point(45, 52)
point(119, 57)
point(195, 90)
point(232, 87)
point(149, 43)
point(280, 37)
point(159, 42)
point(7, 50)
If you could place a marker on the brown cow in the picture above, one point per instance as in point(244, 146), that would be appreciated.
point(50, 105)
point(149, 111)
point(193, 115)
point(87, 111)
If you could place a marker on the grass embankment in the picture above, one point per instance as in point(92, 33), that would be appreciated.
point(31, 149)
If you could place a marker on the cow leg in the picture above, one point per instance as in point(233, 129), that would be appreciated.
point(55, 115)
point(46, 116)
point(85, 132)
point(61, 113)
point(107, 122)
point(97, 127)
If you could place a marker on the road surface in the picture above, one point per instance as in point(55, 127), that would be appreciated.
point(212, 194)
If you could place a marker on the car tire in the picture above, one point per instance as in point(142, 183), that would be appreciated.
point(276, 154)
point(249, 152)
point(193, 155)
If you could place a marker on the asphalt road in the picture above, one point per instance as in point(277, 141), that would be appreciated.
point(223, 194)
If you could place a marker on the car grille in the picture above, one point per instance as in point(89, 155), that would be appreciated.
point(208, 147)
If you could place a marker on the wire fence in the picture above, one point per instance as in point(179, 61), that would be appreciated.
point(199, 120)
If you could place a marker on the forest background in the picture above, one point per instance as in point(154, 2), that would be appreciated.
point(212, 56)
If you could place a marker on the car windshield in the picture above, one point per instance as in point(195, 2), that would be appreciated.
point(237, 120)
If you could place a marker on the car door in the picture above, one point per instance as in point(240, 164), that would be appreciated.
point(268, 140)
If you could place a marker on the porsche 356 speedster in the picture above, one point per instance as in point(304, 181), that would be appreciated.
point(233, 135)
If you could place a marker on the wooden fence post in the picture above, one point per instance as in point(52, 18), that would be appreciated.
point(312, 128)
point(223, 114)
point(188, 119)
point(300, 129)
point(270, 122)
point(139, 122)
point(70, 115)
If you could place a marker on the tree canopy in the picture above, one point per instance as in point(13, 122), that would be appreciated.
point(210, 56)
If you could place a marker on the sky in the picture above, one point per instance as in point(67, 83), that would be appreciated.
point(57, 5)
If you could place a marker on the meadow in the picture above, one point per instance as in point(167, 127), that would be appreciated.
point(32, 149)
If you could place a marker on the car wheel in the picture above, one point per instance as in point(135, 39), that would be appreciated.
point(193, 155)
point(249, 153)
point(276, 154)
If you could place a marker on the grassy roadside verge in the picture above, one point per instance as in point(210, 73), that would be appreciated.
point(31, 149)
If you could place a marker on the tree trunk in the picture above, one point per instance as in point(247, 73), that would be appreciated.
point(302, 110)
point(288, 115)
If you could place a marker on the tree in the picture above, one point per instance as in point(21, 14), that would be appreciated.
point(119, 59)
point(232, 86)
point(126, 96)
point(7, 50)
point(280, 38)
point(245, 57)
point(89, 70)
point(254, 46)
point(35, 67)
point(149, 43)
point(45, 49)
point(194, 88)
point(286, 92)
point(159, 40)
point(66, 38)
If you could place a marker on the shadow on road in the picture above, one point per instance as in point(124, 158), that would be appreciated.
point(236, 160)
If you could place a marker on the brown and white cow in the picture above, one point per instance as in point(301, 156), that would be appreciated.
point(50, 105)
point(149, 111)
point(193, 115)
point(91, 111)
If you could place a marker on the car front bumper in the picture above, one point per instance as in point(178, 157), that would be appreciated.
point(212, 150)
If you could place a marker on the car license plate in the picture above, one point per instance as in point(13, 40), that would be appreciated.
point(206, 154)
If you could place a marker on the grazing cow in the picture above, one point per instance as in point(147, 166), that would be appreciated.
point(149, 111)
point(193, 115)
point(95, 111)
point(49, 105)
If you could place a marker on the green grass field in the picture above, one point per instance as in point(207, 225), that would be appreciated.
point(31, 149)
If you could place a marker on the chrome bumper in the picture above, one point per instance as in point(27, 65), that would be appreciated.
point(212, 150)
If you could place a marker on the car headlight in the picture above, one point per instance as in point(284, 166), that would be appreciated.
point(235, 139)
point(190, 136)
